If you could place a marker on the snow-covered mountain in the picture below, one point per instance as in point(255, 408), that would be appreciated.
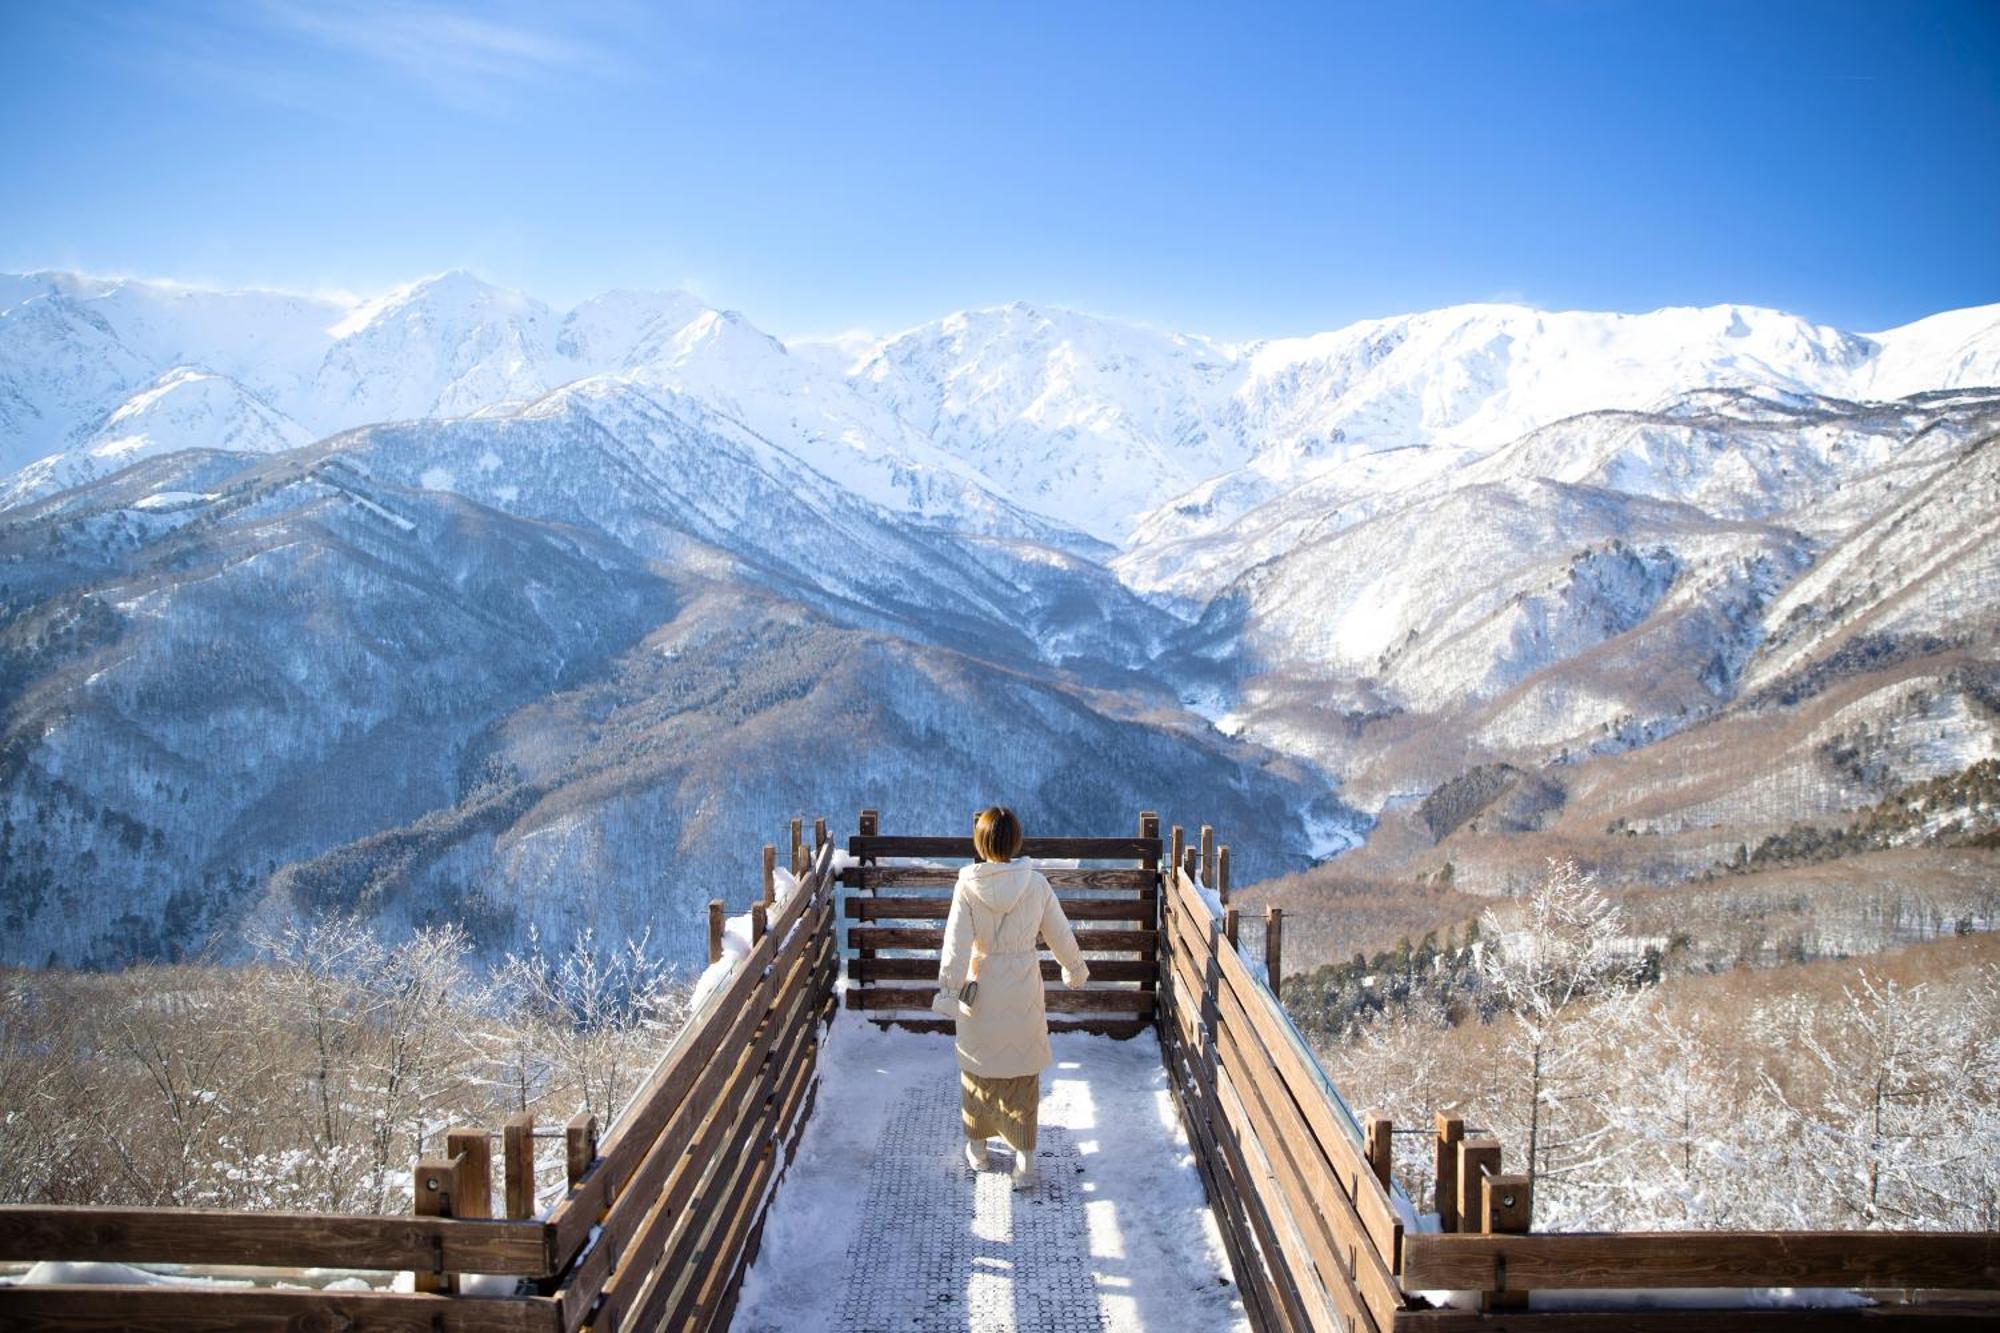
point(95, 370)
point(1127, 434)
point(1122, 430)
point(450, 602)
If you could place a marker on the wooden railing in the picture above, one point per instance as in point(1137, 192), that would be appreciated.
point(1309, 1227)
point(656, 1228)
point(896, 915)
point(1301, 1190)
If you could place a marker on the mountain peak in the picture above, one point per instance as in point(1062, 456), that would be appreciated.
point(452, 295)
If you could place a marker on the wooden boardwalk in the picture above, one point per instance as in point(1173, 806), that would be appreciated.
point(882, 1228)
point(665, 1216)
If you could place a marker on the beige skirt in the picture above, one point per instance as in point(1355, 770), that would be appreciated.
point(1001, 1107)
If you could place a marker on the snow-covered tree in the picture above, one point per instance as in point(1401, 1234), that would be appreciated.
point(1896, 1110)
point(1561, 965)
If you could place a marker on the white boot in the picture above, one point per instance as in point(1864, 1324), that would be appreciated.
point(1024, 1170)
point(975, 1154)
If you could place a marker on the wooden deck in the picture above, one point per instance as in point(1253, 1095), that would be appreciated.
point(663, 1217)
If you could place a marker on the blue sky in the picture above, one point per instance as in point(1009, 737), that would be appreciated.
point(1230, 168)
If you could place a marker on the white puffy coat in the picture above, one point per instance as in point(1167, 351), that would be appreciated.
point(998, 908)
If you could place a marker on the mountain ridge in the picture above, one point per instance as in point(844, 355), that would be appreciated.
point(1312, 579)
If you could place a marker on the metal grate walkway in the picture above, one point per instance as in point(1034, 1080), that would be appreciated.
point(944, 1249)
point(880, 1227)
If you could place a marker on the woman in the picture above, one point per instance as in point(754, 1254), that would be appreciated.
point(998, 908)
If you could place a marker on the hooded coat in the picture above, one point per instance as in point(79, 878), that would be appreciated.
point(998, 909)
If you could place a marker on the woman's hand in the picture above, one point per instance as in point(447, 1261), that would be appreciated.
point(1073, 978)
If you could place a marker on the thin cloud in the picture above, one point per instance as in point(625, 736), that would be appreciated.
point(445, 49)
point(308, 56)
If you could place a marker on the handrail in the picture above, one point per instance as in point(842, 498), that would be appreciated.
point(1303, 1212)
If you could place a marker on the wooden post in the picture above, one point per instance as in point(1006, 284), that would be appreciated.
point(819, 834)
point(1149, 827)
point(1229, 925)
point(870, 824)
point(475, 1175)
point(1274, 947)
point(1476, 1157)
point(770, 873)
point(1450, 1132)
point(1378, 1134)
point(1208, 855)
point(1509, 1205)
point(758, 919)
point(1222, 872)
point(798, 841)
point(580, 1139)
point(1179, 844)
point(517, 1143)
point(1506, 1207)
point(715, 930)
point(436, 1187)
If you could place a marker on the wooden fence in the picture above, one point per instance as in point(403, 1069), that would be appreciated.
point(896, 915)
point(656, 1229)
point(1300, 1189)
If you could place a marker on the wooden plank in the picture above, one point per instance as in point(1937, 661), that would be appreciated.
point(669, 1074)
point(666, 1087)
point(791, 1125)
point(1902, 1259)
point(1289, 1311)
point(926, 969)
point(1119, 1029)
point(1061, 877)
point(1355, 1275)
point(1090, 1000)
point(277, 1240)
point(1308, 1289)
point(1378, 1134)
point(1189, 1036)
point(1224, 1198)
point(1507, 1205)
point(1185, 910)
point(1352, 1273)
point(960, 849)
point(718, 1082)
point(675, 1211)
point(1345, 1156)
point(911, 937)
point(716, 1169)
point(741, 1208)
point(698, 1265)
point(909, 908)
point(660, 1179)
point(265, 1310)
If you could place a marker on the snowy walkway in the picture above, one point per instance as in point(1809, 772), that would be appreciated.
point(879, 1227)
